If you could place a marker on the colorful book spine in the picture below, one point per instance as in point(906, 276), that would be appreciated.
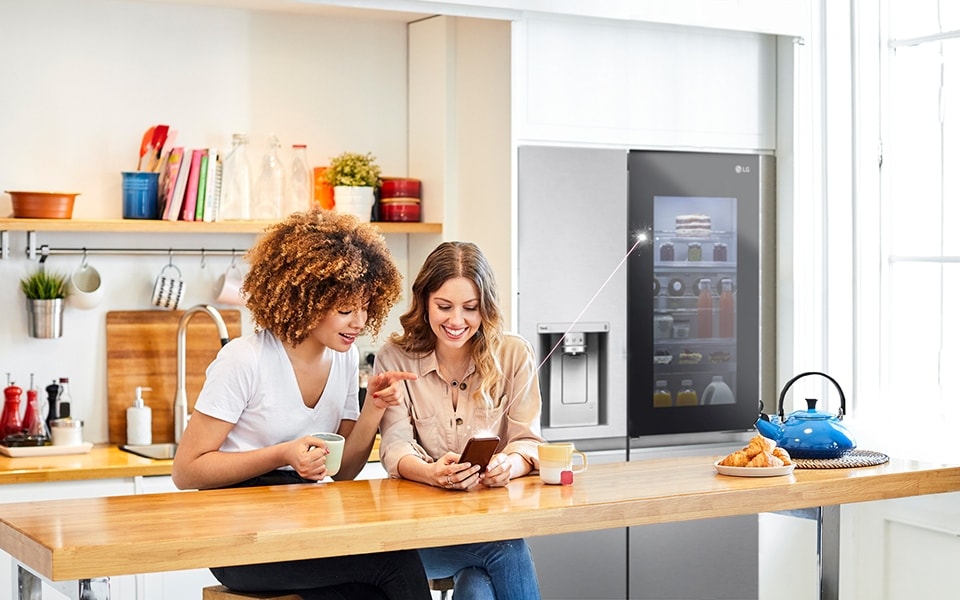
point(202, 187)
point(179, 190)
point(169, 184)
point(190, 195)
point(211, 211)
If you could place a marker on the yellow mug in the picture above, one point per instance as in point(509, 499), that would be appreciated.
point(557, 457)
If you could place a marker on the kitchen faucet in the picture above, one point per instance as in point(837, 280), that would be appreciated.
point(180, 403)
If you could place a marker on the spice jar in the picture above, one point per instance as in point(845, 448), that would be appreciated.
point(66, 432)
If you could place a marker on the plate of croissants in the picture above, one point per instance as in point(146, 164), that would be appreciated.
point(761, 457)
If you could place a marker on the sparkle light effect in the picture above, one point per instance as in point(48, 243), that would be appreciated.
point(643, 237)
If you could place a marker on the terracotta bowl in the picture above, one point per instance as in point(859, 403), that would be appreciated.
point(42, 205)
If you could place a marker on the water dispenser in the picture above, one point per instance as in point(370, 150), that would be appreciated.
point(574, 356)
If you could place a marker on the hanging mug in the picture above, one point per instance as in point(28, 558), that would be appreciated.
point(168, 289)
point(227, 288)
point(85, 286)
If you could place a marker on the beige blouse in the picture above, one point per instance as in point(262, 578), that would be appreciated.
point(428, 425)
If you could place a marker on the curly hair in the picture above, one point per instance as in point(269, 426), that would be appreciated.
point(448, 261)
point(314, 262)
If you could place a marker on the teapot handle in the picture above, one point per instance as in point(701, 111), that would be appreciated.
point(783, 393)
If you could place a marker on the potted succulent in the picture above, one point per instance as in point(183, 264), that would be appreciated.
point(45, 292)
point(353, 177)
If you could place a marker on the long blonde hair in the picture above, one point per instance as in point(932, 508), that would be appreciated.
point(448, 261)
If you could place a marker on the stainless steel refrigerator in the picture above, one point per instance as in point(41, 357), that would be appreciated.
point(587, 297)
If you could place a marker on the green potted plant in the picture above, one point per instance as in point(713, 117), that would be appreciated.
point(45, 292)
point(353, 177)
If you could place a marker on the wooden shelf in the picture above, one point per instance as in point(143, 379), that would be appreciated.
point(161, 226)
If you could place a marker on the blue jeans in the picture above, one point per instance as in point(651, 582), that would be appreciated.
point(500, 570)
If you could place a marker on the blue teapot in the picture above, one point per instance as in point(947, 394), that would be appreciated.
point(810, 433)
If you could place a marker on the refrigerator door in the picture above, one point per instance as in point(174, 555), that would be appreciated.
point(697, 293)
point(571, 286)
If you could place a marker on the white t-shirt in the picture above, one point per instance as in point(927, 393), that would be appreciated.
point(251, 383)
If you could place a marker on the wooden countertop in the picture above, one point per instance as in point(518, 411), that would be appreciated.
point(85, 538)
point(102, 462)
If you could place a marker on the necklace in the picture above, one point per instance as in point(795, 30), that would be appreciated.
point(456, 382)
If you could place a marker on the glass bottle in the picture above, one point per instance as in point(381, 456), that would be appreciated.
point(705, 310)
point(64, 399)
point(661, 395)
point(300, 191)
point(33, 422)
point(235, 182)
point(10, 422)
point(269, 193)
point(687, 396)
point(727, 327)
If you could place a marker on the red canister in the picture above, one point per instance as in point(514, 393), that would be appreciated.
point(399, 210)
point(400, 199)
point(399, 187)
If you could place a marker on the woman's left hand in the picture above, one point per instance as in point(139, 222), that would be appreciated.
point(497, 473)
point(386, 388)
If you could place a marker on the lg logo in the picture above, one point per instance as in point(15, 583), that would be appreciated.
point(742, 169)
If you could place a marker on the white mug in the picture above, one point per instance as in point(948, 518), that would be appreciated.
point(168, 290)
point(85, 287)
point(556, 460)
point(334, 443)
point(227, 288)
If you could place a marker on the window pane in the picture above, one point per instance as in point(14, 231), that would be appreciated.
point(923, 338)
point(917, 18)
point(912, 152)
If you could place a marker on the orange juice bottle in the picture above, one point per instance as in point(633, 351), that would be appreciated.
point(726, 325)
point(705, 310)
point(661, 395)
point(687, 396)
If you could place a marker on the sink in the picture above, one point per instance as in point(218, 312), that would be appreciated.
point(164, 451)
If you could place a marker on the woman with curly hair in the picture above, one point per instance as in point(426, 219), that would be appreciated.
point(317, 280)
point(472, 379)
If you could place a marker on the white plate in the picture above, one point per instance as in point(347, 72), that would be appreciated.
point(20, 451)
point(753, 471)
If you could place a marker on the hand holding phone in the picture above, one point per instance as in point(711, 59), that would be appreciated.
point(479, 450)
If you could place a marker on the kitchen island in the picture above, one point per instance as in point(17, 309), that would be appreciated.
point(68, 540)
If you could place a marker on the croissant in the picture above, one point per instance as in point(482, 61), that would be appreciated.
point(736, 459)
point(782, 455)
point(765, 459)
point(759, 444)
point(759, 452)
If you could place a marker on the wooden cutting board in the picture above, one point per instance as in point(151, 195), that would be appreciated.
point(142, 350)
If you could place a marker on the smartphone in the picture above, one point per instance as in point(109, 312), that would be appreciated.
point(479, 450)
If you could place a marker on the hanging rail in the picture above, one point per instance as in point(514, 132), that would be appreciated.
point(44, 251)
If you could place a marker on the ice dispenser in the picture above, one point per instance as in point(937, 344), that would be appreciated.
point(570, 381)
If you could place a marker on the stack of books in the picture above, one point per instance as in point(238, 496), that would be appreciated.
point(190, 184)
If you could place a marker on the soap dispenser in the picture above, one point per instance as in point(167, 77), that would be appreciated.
point(139, 421)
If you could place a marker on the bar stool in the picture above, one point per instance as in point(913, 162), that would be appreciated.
point(442, 585)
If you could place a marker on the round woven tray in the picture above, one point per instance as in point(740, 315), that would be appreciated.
point(853, 458)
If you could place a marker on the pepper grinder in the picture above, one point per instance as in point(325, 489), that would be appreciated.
point(53, 412)
point(10, 422)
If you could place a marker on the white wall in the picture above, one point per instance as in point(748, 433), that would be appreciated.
point(83, 80)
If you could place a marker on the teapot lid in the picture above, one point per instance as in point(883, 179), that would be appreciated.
point(812, 413)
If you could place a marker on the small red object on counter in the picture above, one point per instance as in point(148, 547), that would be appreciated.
point(566, 477)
